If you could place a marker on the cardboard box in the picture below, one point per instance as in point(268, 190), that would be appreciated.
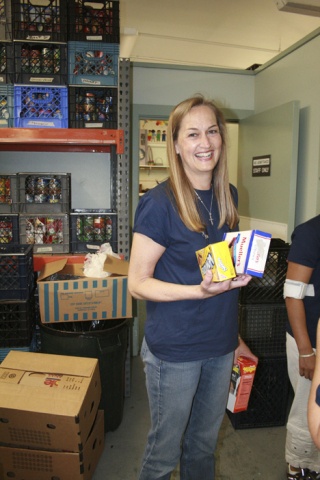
point(249, 250)
point(48, 402)
point(242, 377)
point(29, 464)
point(85, 298)
point(216, 257)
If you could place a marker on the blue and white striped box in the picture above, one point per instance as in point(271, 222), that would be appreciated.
point(65, 295)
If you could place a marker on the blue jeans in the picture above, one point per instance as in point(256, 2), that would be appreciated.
point(187, 405)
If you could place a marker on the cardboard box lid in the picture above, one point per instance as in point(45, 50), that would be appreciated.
point(113, 265)
point(45, 363)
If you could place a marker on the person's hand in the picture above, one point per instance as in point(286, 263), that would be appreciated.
point(307, 366)
point(244, 350)
point(211, 288)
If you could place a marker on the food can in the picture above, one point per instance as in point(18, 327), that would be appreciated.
point(6, 231)
point(99, 224)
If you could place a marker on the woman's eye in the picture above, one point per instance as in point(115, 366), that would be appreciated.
point(214, 131)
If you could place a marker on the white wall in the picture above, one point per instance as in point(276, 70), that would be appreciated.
point(168, 85)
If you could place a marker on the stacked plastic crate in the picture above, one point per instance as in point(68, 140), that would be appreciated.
point(17, 310)
point(6, 65)
point(44, 204)
point(93, 56)
point(40, 69)
point(262, 325)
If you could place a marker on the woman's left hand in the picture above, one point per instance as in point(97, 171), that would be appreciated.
point(244, 350)
point(214, 288)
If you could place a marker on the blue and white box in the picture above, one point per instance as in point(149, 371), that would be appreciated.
point(249, 250)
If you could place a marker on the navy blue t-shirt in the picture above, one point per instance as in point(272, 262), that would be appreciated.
point(305, 250)
point(185, 330)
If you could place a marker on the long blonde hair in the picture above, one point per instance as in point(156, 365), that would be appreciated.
point(181, 186)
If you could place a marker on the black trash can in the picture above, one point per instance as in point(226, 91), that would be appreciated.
point(105, 340)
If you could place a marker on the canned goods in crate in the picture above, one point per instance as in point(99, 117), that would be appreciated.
point(47, 60)
point(5, 190)
point(99, 228)
point(41, 186)
point(88, 229)
point(6, 231)
point(108, 229)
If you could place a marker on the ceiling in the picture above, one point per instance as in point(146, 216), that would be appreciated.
point(232, 34)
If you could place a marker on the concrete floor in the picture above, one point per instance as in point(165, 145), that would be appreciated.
point(250, 454)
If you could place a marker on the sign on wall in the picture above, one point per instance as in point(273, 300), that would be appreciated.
point(261, 166)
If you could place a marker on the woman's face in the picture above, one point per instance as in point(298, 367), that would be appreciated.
point(199, 142)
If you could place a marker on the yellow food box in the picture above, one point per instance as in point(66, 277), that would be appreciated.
point(217, 258)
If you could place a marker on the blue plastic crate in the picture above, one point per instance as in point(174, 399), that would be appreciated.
point(40, 107)
point(16, 272)
point(9, 229)
point(5, 20)
point(93, 64)
point(40, 63)
point(6, 106)
point(44, 20)
point(98, 21)
point(6, 62)
point(93, 107)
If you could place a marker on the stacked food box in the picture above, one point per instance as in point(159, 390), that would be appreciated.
point(52, 427)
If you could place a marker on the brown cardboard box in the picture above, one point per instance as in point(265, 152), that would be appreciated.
point(84, 299)
point(48, 402)
point(29, 464)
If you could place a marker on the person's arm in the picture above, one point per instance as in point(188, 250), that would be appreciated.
point(298, 321)
point(145, 253)
point(314, 400)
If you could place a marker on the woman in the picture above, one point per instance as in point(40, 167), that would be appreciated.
point(191, 332)
point(302, 297)
point(314, 398)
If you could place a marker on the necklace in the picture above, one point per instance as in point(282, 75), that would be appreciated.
point(209, 211)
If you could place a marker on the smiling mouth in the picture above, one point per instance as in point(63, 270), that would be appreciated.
point(204, 155)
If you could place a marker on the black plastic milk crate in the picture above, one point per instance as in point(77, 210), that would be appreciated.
point(40, 63)
point(6, 62)
point(16, 271)
point(98, 21)
point(44, 192)
point(40, 107)
point(269, 288)
point(9, 228)
point(8, 193)
point(93, 107)
point(93, 228)
point(93, 64)
point(41, 20)
point(48, 233)
point(6, 106)
point(5, 20)
point(263, 328)
point(17, 322)
point(269, 398)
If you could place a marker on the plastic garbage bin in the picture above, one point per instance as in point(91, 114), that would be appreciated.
point(105, 340)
